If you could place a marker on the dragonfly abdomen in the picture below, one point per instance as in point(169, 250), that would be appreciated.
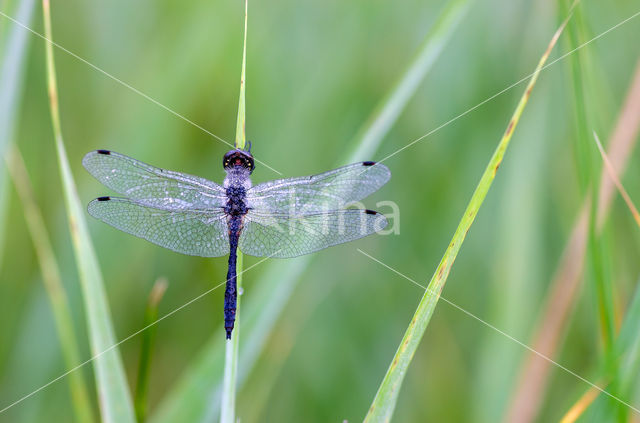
point(235, 210)
point(231, 292)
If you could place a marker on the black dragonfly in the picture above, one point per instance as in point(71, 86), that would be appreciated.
point(192, 215)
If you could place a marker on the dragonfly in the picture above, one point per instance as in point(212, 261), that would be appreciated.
point(191, 215)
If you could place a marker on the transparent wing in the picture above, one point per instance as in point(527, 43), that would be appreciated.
point(192, 232)
point(284, 236)
point(153, 186)
point(330, 190)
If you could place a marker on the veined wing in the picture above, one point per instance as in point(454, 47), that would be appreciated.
point(201, 233)
point(153, 186)
point(284, 235)
point(327, 191)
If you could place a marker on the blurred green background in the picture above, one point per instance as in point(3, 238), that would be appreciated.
point(315, 73)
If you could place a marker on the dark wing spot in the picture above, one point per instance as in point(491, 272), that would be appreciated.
point(104, 152)
point(370, 212)
point(103, 198)
point(368, 163)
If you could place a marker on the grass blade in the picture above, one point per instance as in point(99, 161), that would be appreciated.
point(384, 403)
point(230, 379)
point(587, 168)
point(146, 350)
point(12, 58)
point(115, 400)
point(53, 284)
point(241, 134)
point(614, 177)
point(192, 398)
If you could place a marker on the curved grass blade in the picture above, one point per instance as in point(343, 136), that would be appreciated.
point(13, 51)
point(193, 397)
point(230, 379)
point(384, 403)
point(53, 284)
point(111, 383)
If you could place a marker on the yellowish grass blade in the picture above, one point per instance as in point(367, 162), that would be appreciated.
point(384, 403)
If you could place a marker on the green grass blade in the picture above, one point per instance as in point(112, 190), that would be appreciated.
point(113, 393)
point(230, 378)
point(241, 135)
point(384, 403)
point(598, 246)
point(146, 348)
point(13, 50)
point(53, 284)
point(193, 396)
point(587, 171)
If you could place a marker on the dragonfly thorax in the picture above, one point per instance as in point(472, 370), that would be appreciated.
point(236, 201)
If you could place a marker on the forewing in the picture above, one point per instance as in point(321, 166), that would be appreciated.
point(201, 233)
point(153, 186)
point(284, 236)
point(327, 191)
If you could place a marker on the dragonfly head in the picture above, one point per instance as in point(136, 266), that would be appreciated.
point(238, 157)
